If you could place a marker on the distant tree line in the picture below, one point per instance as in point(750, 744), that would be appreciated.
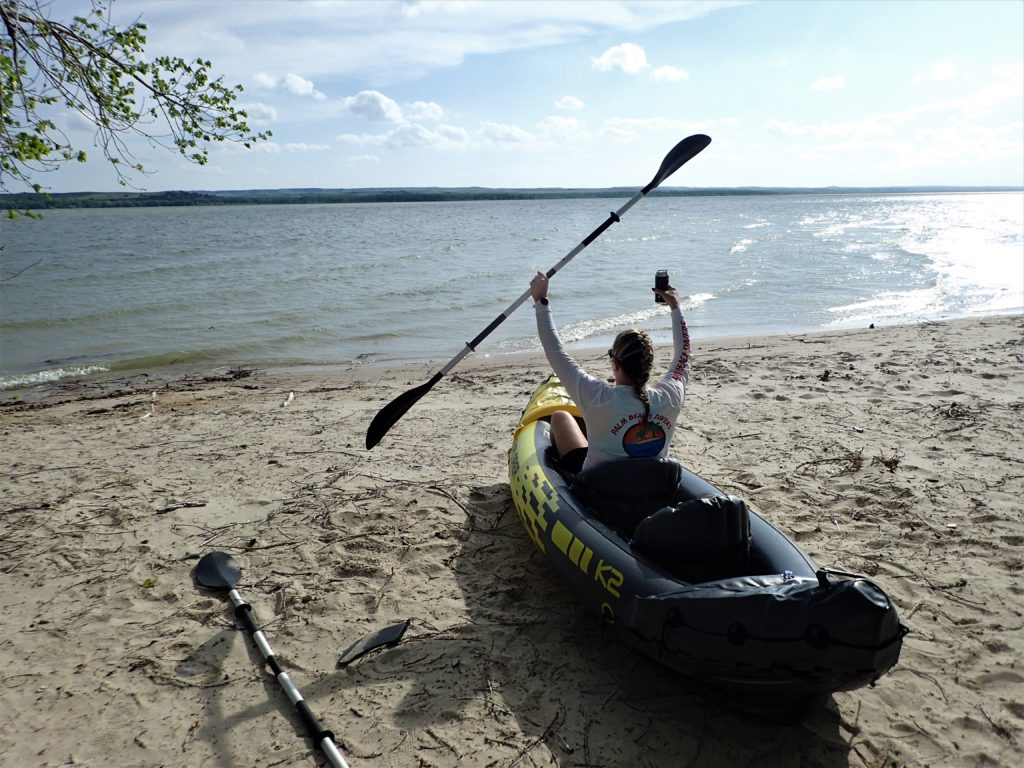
point(29, 201)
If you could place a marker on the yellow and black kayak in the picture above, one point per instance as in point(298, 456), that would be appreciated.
point(690, 577)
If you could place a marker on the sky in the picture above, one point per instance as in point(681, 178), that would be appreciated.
point(593, 93)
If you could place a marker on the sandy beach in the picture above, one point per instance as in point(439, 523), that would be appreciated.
point(896, 452)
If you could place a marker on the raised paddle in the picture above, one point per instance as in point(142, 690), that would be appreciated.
point(218, 570)
point(393, 411)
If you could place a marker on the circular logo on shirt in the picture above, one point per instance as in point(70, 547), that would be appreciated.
point(643, 441)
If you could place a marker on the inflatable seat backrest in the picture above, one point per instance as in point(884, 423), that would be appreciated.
point(622, 493)
point(699, 540)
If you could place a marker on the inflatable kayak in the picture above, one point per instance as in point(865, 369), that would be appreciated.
point(693, 579)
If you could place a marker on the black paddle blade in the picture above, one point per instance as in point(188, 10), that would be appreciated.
point(218, 570)
point(388, 636)
point(396, 409)
point(681, 153)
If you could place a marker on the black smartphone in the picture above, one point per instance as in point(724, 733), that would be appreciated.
point(661, 283)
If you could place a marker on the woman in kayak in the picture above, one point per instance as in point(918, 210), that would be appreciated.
point(627, 419)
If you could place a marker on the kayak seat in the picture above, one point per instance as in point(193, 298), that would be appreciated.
point(698, 540)
point(622, 493)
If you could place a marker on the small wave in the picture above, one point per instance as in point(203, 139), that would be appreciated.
point(692, 302)
point(166, 359)
point(890, 305)
point(739, 285)
point(757, 225)
point(586, 329)
point(370, 338)
point(49, 376)
point(640, 239)
point(741, 246)
point(85, 319)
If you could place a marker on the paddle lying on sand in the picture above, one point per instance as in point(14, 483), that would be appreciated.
point(393, 411)
point(218, 570)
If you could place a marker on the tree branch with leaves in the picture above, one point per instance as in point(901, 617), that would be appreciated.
point(91, 67)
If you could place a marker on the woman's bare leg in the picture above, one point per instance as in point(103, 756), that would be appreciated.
point(566, 433)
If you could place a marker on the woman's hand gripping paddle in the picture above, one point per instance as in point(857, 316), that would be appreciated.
point(396, 409)
point(218, 570)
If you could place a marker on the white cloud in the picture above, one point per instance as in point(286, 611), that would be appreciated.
point(625, 129)
point(504, 135)
point(647, 123)
point(374, 105)
point(267, 81)
point(411, 135)
point(300, 86)
point(562, 127)
point(871, 126)
point(1007, 87)
point(570, 103)
point(618, 134)
point(291, 82)
point(273, 148)
point(629, 57)
point(669, 74)
point(1013, 72)
point(966, 141)
point(454, 134)
point(260, 148)
point(303, 147)
point(363, 139)
point(426, 8)
point(834, 83)
point(938, 133)
point(424, 110)
point(259, 113)
point(942, 70)
point(385, 42)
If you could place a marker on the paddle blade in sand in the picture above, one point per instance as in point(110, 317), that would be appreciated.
point(218, 570)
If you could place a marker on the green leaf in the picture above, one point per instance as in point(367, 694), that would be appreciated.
point(100, 70)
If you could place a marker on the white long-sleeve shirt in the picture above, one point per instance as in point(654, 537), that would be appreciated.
point(613, 412)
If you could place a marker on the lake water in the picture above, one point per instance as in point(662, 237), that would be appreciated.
point(140, 288)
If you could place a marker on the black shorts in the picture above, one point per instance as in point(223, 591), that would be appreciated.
point(573, 460)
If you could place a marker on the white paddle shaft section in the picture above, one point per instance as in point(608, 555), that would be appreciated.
point(327, 745)
point(333, 754)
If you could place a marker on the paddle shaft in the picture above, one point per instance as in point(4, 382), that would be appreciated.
point(472, 345)
point(321, 736)
point(393, 411)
